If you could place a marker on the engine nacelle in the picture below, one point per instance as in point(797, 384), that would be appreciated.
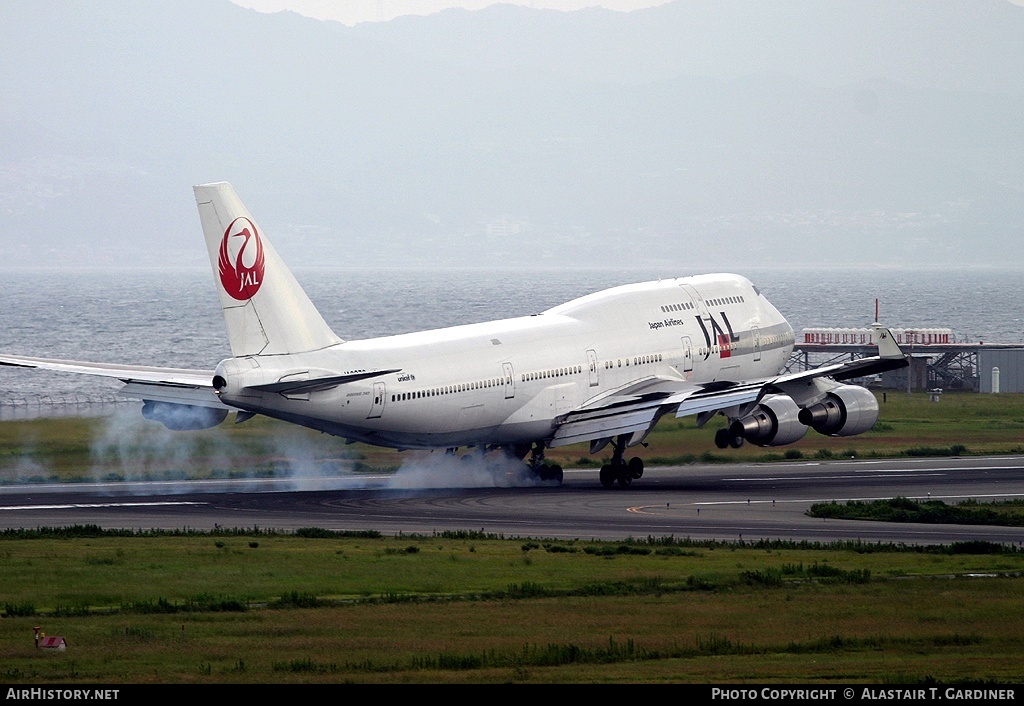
point(774, 422)
point(845, 411)
point(183, 417)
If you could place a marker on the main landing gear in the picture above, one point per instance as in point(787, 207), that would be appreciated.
point(550, 472)
point(724, 438)
point(620, 470)
point(536, 466)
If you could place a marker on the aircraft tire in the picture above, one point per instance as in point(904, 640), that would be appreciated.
point(736, 442)
point(722, 438)
point(607, 476)
point(635, 467)
point(625, 477)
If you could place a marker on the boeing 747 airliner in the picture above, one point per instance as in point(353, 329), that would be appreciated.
point(601, 369)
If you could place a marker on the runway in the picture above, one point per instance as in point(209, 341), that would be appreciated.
point(725, 502)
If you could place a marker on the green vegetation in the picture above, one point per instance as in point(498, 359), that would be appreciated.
point(192, 607)
point(315, 605)
point(969, 512)
point(75, 449)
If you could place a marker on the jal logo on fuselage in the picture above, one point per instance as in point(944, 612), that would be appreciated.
point(723, 338)
point(241, 261)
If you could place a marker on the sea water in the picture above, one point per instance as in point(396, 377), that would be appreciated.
point(172, 317)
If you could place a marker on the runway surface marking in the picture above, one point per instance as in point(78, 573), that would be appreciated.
point(884, 474)
point(78, 506)
point(650, 509)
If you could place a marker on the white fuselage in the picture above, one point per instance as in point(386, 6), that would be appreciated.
point(507, 382)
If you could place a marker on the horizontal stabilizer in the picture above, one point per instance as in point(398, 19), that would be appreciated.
point(173, 385)
point(296, 387)
point(125, 373)
point(173, 394)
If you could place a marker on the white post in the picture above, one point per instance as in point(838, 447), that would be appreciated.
point(995, 380)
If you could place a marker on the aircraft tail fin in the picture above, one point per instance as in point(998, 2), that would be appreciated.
point(265, 310)
point(887, 346)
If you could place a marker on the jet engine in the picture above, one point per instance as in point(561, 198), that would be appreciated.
point(774, 422)
point(845, 411)
point(183, 417)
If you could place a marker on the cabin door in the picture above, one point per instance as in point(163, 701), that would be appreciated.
point(377, 408)
point(592, 359)
point(510, 381)
point(687, 355)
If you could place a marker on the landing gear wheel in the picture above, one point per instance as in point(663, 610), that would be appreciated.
point(722, 438)
point(551, 473)
point(618, 470)
point(736, 442)
point(635, 467)
point(624, 476)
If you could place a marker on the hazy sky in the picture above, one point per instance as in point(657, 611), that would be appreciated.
point(738, 130)
point(352, 11)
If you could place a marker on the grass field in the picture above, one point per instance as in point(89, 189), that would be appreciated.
point(277, 608)
point(129, 447)
point(1007, 513)
point(274, 608)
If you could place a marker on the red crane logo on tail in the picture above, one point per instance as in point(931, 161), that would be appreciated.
point(239, 279)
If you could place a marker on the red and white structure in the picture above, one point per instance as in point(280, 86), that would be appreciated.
point(862, 336)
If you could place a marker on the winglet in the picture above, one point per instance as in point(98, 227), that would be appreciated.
point(887, 346)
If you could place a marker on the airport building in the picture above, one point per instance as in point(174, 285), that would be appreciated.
point(1001, 370)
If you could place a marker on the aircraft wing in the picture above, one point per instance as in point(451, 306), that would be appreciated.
point(175, 385)
point(631, 411)
point(636, 408)
point(890, 357)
